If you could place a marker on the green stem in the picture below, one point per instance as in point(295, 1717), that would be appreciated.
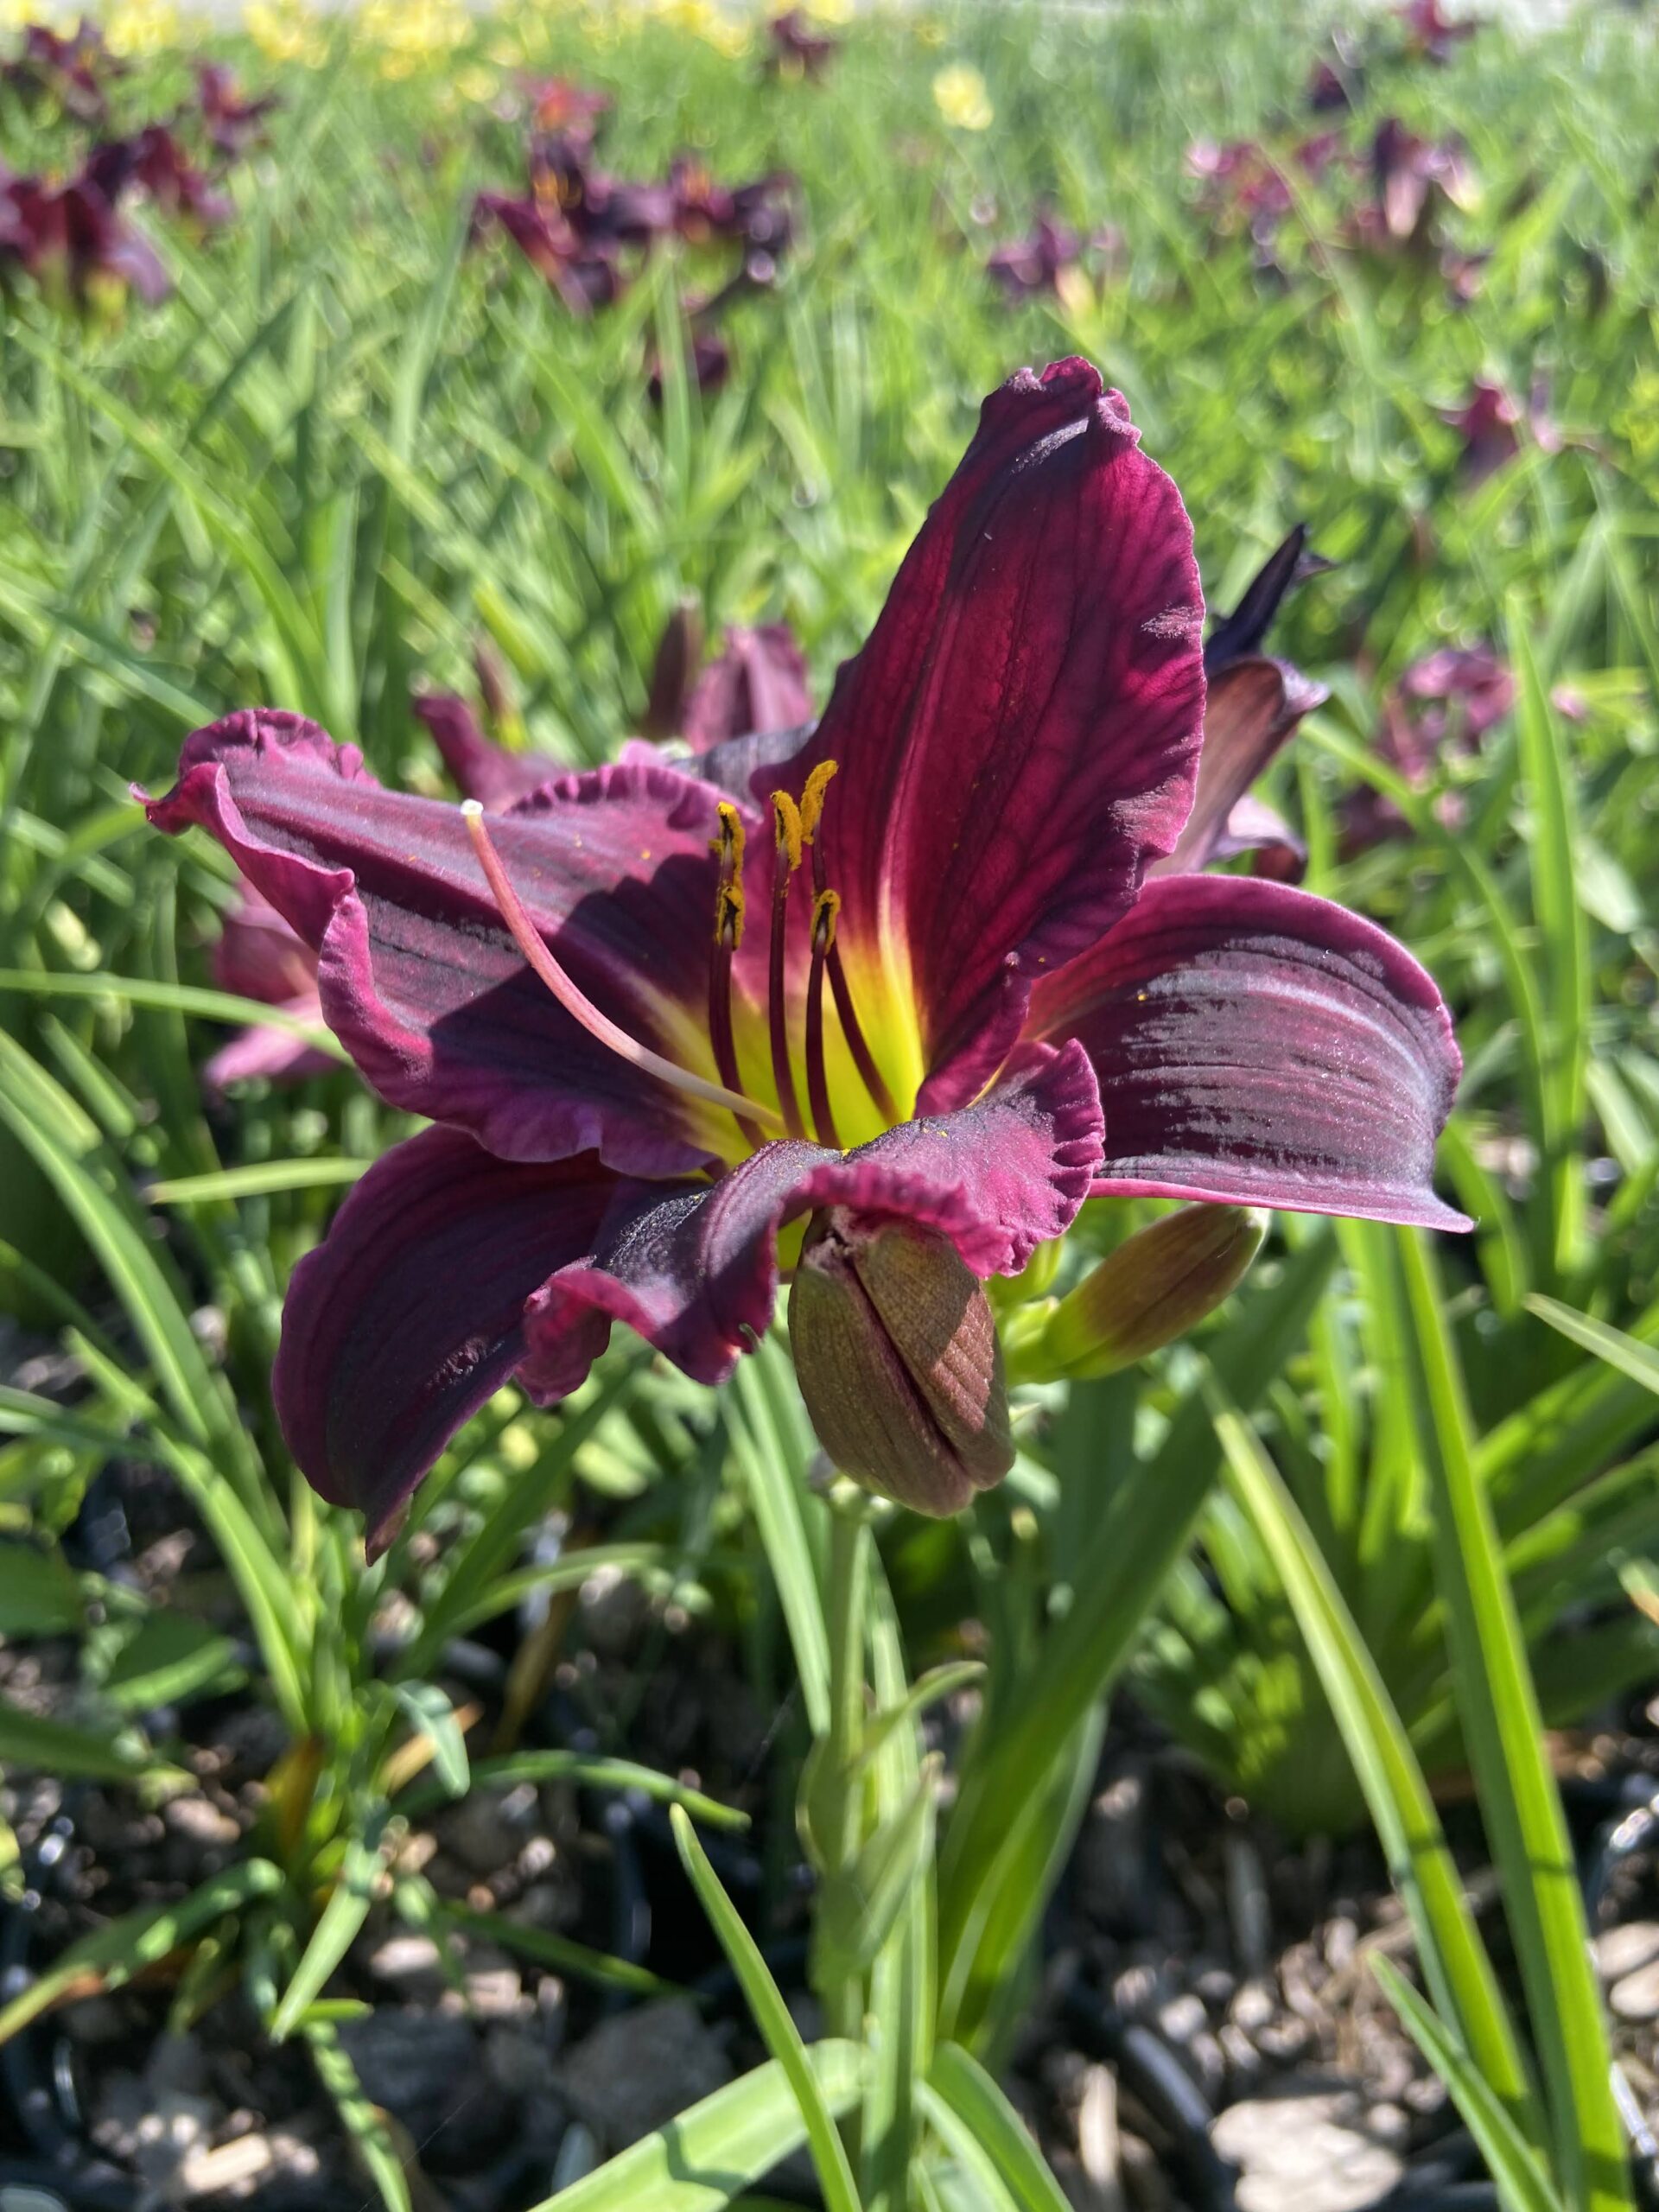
point(843, 1995)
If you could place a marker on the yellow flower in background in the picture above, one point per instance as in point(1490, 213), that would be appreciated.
point(139, 27)
point(477, 84)
point(930, 31)
point(959, 94)
point(51, 14)
point(411, 33)
point(284, 31)
point(830, 11)
point(726, 32)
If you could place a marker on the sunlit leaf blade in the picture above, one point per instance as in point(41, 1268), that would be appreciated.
point(707, 2156)
point(773, 2020)
point(1519, 1802)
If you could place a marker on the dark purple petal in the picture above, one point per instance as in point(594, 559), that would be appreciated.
point(1258, 1046)
point(756, 684)
point(695, 1270)
point(1020, 736)
point(409, 1314)
point(258, 956)
point(1252, 708)
point(483, 770)
point(420, 980)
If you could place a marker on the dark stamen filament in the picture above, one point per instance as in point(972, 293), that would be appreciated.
point(824, 908)
point(786, 822)
point(863, 1059)
point(729, 935)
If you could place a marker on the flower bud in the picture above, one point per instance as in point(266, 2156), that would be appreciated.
point(897, 1352)
point(673, 671)
point(1158, 1284)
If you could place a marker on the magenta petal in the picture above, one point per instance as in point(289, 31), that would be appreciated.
point(1020, 736)
point(1252, 708)
point(278, 1055)
point(695, 1271)
point(482, 769)
point(1256, 1046)
point(410, 1313)
point(420, 981)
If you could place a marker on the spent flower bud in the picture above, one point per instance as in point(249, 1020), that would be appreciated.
point(896, 1348)
point(1158, 1284)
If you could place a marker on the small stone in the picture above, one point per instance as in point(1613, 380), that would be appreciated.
point(1637, 1995)
point(1253, 2007)
point(409, 1960)
point(1143, 2174)
point(1098, 2137)
point(1138, 1989)
point(1183, 2017)
point(495, 1992)
point(1309, 2148)
point(247, 2163)
point(1204, 2056)
point(486, 1831)
point(1341, 1941)
point(637, 2069)
point(1283, 2039)
point(1243, 2059)
point(201, 1822)
point(1619, 1951)
point(1216, 1986)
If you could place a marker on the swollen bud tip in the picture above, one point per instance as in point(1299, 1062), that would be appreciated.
point(1158, 1284)
point(896, 1348)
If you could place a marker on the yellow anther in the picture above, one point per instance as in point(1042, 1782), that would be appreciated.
point(812, 799)
point(730, 898)
point(730, 902)
point(786, 826)
point(825, 908)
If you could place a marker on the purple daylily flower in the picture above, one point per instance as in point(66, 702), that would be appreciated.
point(153, 162)
point(232, 122)
point(66, 68)
point(73, 242)
point(1047, 259)
point(958, 1006)
point(1431, 34)
point(1490, 422)
point(1329, 86)
point(259, 956)
point(1442, 706)
point(795, 50)
point(1411, 180)
point(755, 686)
point(583, 276)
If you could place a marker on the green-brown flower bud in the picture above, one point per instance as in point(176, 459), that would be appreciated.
point(896, 1348)
point(1158, 1284)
